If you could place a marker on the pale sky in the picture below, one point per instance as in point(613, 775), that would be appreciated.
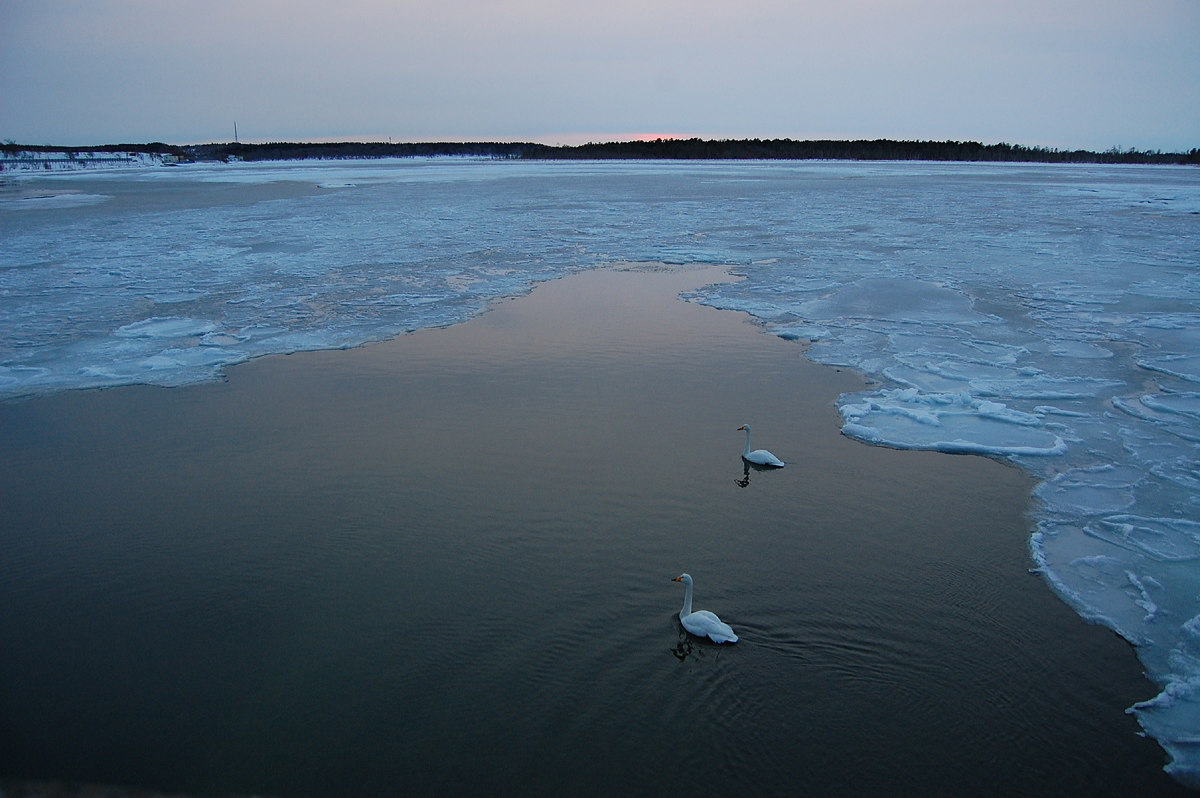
point(1089, 74)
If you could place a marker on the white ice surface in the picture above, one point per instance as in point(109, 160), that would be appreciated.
point(1046, 315)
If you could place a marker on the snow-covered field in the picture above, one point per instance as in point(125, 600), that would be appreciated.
point(1047, 315)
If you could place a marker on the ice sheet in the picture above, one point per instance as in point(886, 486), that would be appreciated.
point(1045, 315)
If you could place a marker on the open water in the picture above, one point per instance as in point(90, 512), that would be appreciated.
point(442, 565)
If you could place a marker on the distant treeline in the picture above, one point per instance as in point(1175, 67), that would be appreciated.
point(862, 150)
point(284, 151)
point(664, 149)
point(699, 149)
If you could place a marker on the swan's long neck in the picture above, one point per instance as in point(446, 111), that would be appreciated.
point(687, 600)
point(747, 449)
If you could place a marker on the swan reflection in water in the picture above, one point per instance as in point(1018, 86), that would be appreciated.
point(683, 649)
point(746, 467)
point(688, 646)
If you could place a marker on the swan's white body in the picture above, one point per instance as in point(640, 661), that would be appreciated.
point(702, 623)
point(759, 456)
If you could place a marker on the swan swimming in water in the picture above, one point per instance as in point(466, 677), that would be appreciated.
point(759, 456)
point(702, 623)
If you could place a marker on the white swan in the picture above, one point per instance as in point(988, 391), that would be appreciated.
point(759, 456)
point(702, 623)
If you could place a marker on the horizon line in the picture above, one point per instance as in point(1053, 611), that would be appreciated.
point(580, 140)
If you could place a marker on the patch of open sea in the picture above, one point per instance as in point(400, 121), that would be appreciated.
point(1045, 315)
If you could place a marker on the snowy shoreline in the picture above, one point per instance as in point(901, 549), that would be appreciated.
point(27, 162)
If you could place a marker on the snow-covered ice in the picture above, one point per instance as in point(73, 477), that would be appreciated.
point(1045, 315)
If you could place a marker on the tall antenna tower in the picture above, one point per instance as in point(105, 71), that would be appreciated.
point(235, 138)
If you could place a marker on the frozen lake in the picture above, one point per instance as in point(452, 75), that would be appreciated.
point(1045, 315)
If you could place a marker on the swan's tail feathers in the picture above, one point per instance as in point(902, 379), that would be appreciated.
point(763, 458)
point(722, 632)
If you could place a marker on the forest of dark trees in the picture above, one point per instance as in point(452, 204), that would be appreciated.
point(862, 150)
point(699, 149)
point(662, 149)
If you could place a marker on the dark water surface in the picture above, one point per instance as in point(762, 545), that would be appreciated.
point(441, 565)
